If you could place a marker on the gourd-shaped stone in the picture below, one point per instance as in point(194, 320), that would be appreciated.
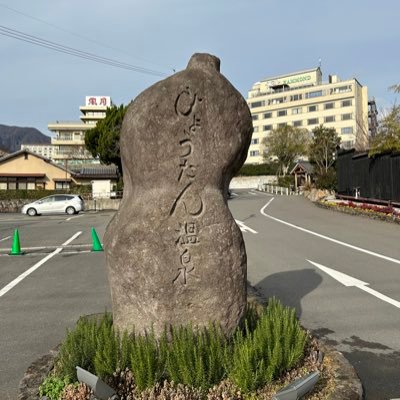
point(174, 252)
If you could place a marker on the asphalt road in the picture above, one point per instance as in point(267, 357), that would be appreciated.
point(36, 312)
point(364, 327)
point(280, 235)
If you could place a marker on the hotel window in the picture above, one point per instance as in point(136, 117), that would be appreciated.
point(296, 110)
point(268, 115)
point(329, 106)
point(282, 113)
point(331, 118)
point(257, 104)
point(346, 103)
point(312, 108)
point(346, 117)
point(341, 89)
point(267, 127)
point(255, 128)
point(279, 100)
point(312, 121)
point(296, 97)
point(281, 125)
point(316, 93)
point(297, 123)
point(255, 141)
point(254, 117)
point(347, 130)
point(254, 153)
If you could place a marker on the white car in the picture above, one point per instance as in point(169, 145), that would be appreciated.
point(57, 203)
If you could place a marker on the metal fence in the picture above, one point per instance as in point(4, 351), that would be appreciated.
point(375, 177)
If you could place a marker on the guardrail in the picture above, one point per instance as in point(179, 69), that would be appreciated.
point(275, 189)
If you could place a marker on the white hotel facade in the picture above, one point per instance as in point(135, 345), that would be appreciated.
point(302, 100)
point(69, 140)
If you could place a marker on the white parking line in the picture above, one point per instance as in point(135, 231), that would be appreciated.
point(69, 219)
point(2, 240)
point(36, 266)
point(360, 249)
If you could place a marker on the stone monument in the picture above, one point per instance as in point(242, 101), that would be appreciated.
point(174, 252)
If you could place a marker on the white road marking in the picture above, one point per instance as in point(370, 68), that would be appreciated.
point(360, 249)
point(245, 228)
point(69, 219)
point(36, 266)
point(234, 194)
point(348, 280)
point(2, 240)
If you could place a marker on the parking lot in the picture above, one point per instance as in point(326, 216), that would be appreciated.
point(36, 308)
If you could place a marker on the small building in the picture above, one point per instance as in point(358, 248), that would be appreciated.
point(303, 172)
point(25, 170)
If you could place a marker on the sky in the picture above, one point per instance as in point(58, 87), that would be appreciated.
point(254, 39)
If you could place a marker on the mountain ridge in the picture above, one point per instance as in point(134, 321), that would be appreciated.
point(11, 137)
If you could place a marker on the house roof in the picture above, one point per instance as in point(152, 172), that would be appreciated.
point(97, 172)
point(21, 152)
point(304, 166)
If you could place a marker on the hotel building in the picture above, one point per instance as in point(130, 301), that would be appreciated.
point(69, 141)
point(44, 150)
point(302, 100)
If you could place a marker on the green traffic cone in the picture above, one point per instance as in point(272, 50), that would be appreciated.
point(96, 242)
point(16, 246)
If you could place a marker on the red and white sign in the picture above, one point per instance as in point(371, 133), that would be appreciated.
point(102, 101)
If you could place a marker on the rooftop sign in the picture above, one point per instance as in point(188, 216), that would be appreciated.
point(104, 101)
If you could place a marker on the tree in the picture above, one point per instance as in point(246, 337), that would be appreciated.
point(388, 136)
point(323, 148)
point(103, 140)
point(285, 143)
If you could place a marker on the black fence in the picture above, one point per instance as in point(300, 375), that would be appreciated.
point(377, 177)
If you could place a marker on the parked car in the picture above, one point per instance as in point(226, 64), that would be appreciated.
point(58, 203)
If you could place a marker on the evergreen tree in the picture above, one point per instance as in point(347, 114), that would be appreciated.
point(103, 140)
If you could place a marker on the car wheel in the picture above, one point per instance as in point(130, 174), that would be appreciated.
point(70, 210)
point(31, 212)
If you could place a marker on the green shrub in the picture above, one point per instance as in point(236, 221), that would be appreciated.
point(286, 181)
point(327, 180)
point(274, 346)
point(147, 359)
point(258, 169)
point(196, 358)
point(269, 343)
point(52, 387)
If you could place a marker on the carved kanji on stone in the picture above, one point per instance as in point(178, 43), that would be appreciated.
point(174, 252)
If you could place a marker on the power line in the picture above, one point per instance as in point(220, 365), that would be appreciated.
point(35, 40)
point(80, 36)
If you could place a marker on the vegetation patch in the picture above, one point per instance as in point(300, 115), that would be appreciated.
point(270, 349)
point(385, 213)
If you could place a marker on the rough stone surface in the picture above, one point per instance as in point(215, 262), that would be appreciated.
point(174, 252)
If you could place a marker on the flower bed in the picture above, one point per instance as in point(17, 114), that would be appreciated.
point(268, 352)
point(384, 213)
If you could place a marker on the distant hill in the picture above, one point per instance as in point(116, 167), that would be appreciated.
point(11, 137)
